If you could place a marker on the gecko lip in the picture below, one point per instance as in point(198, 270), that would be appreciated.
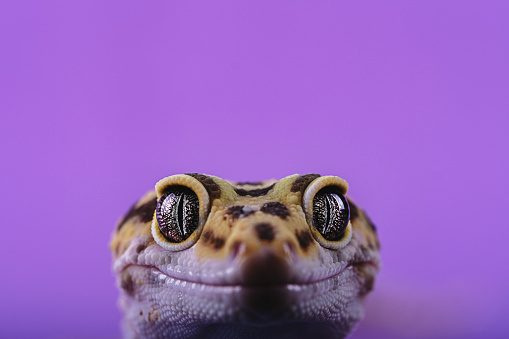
point(258, 284)
point(256, 275)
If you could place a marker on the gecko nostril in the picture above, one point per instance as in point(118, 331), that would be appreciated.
point(237, 249)
point(289, 250)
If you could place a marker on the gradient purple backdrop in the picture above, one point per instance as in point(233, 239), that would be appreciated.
point(407, 101)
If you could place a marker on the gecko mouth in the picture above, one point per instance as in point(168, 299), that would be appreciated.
point(256, 274)
point(257, 301)
point(253, 283)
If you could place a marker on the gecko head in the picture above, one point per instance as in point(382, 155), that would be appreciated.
point(259, 257)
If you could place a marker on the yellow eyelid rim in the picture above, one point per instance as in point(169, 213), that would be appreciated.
point(314, 187)
point(203, 198)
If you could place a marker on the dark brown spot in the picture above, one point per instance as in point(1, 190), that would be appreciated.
point(237, 212)
point(354, 210)
point(249, 183)
point(127, 283)
point(141, 247)
point(370, 282)
point(209, 238)
point(206, 236)
point(141, 312)
point(304, 238)
point(254, 193)
point(210, 185)
point(370, 223)
point(264, 231)
point(364, 250)
point(373, 228)
point(300, 184)
point(366, 277)
point(117, 250)
point(276, 208)
point(218, 243)
point(144, 212)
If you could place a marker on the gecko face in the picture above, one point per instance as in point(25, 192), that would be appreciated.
point(204, 257)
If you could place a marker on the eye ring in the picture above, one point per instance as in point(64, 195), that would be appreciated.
point(185, 185)
point(328, 190)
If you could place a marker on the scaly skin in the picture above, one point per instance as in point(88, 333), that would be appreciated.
point(236, 279)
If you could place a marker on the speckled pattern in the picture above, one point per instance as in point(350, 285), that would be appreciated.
point(254, 268)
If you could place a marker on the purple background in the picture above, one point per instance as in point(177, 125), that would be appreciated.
point(407, 101)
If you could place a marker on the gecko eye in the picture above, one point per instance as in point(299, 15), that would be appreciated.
point(331, 213)
point(178, 213)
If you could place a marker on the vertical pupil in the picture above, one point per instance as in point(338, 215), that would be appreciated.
point(180, 213)
point(328, 213)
